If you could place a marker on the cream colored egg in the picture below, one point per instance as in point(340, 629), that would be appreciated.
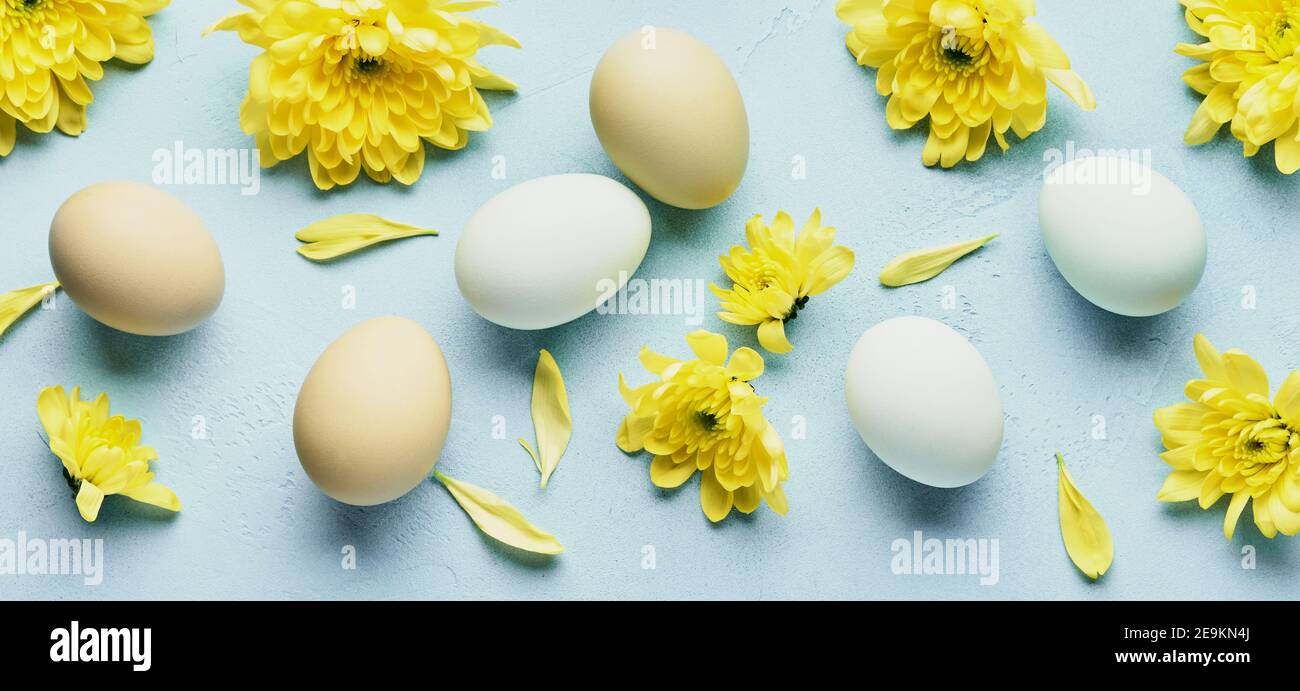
point(373, 412)
point(670, 116)
point(136, 258)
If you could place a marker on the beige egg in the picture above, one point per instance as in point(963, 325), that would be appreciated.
point(670, 116)
point(136, 258)
point(373, 412)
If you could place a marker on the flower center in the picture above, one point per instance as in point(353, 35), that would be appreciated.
point(1280, 37)
point(707, 421)
point(367, 66)
point(957, 57)
point(24, 8)
point(956, 53)
point(1263, 443)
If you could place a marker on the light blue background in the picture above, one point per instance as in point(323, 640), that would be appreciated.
point(253, 525)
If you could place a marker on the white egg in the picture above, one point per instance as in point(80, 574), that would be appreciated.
point(1122, 235)
point(924, 401)
point(545, 251)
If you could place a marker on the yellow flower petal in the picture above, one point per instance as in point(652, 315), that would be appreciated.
point(529, 448)
point(708, 346)
point(714, 498)
point(1073, 86)
point(1287, 400)
point(16, 303)
point(1210, 360)
point(1233, 513)
point(1288, 491)
point(1182, 485)
point(667, 474)
point(654, 362)
point(748, 498)
point(347, 233)
point(826, 269)
point(745, 364)
point(1087, 540)
point(156, 495)
point(924, 264)
point(776, 500)
point(499, 519)
point(1181, 458)
point(1244, 373)
point(552, 421)
point(53, 409)
point(89, 499)
point(1180, 424)
point(771, 335)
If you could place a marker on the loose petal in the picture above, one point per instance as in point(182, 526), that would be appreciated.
point(340, 235)
point(924, 264)
point(552, 421)
point(1087, 540)
point(17, 303)
point(498, 519)
point(529, 448)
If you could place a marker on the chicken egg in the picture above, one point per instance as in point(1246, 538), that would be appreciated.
point(373, 412)
point(670, 116)
point(136, 258)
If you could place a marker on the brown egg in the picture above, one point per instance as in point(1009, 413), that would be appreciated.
point(670, 116)
point(136, 258)
point(373, 412)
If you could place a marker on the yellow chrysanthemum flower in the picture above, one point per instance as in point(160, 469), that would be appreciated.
point(101, 455)
point(50, 48)
point(1249, 74)
point(1231, 440)
point(975, 67)
point(773, 279)
point(362, 84)
point(704, 415)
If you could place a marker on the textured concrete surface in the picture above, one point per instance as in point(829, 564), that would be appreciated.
point(254, 527)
